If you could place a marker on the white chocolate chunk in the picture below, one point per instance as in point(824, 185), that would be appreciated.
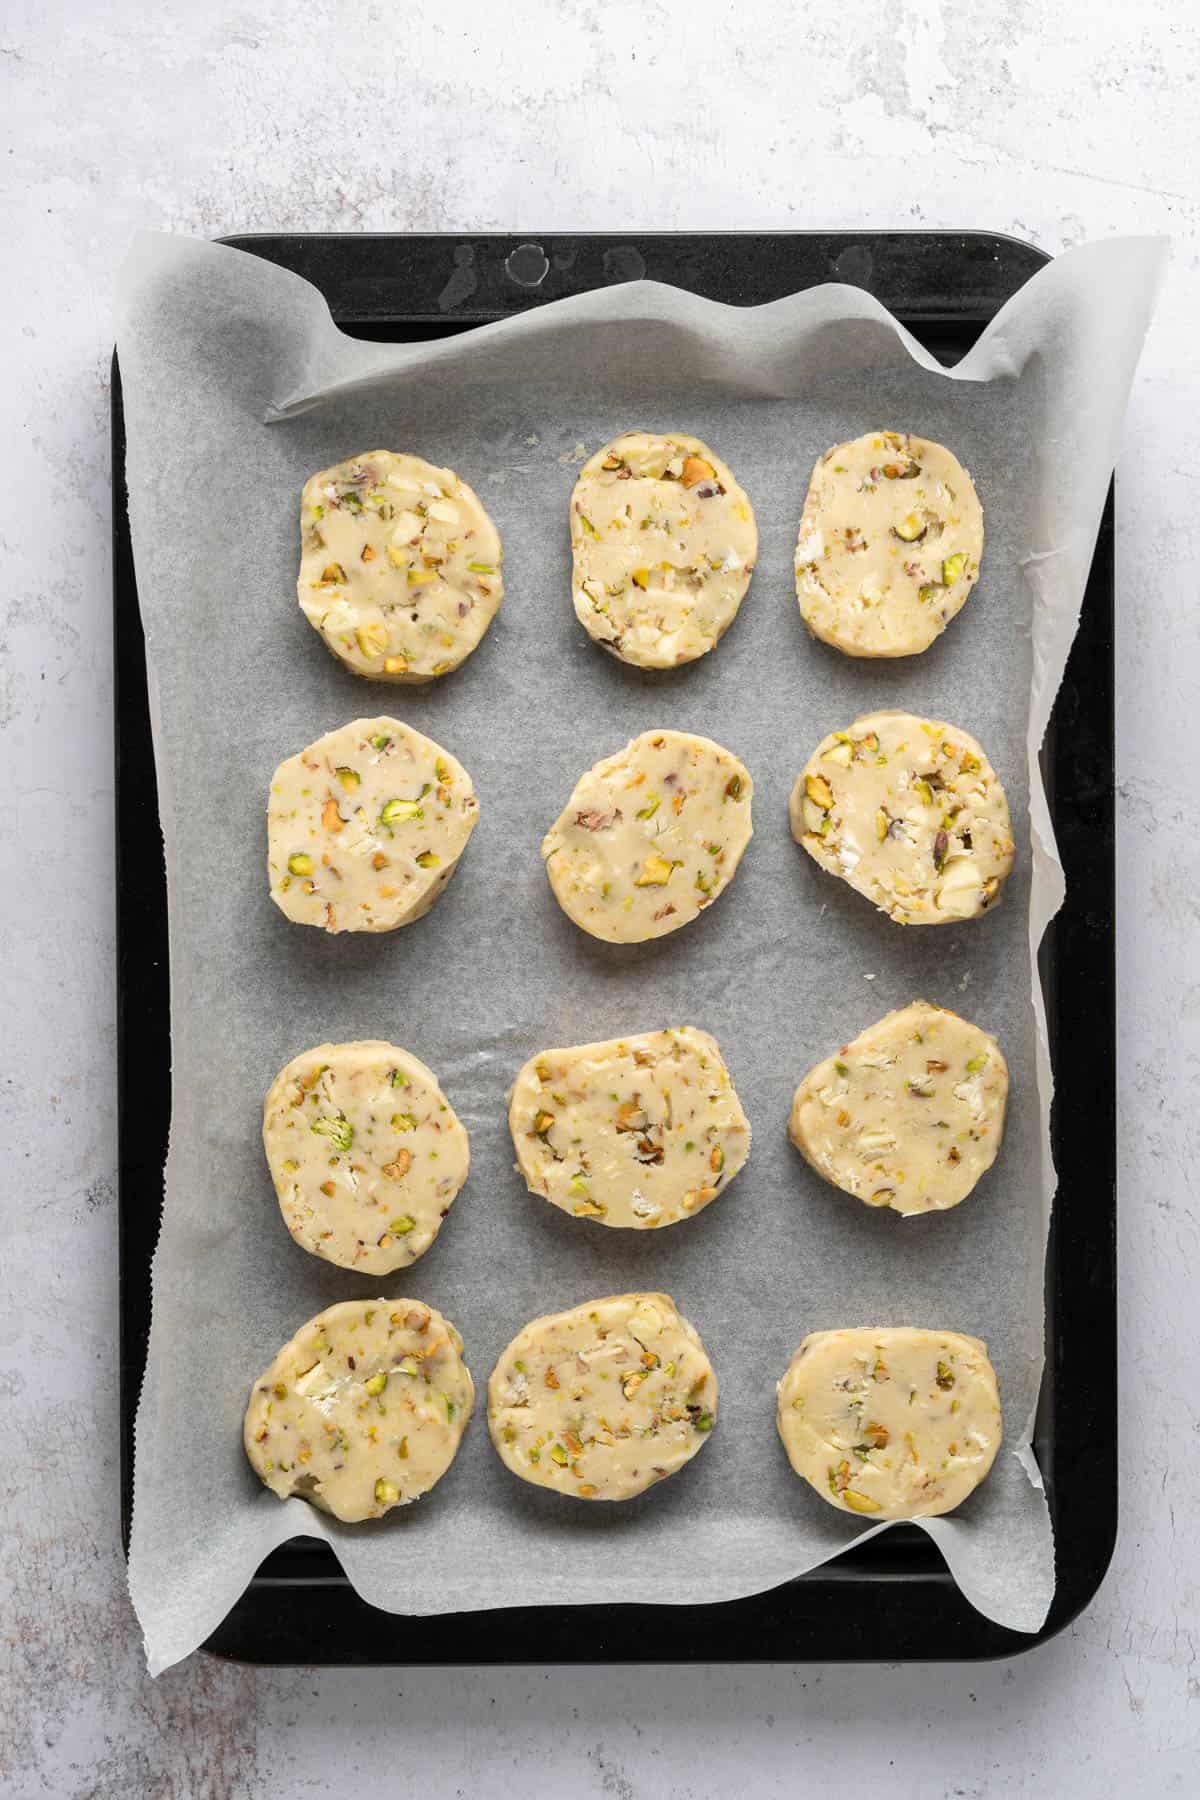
point(650, 836)
point(363, 1410)
point(399, 566)
point(890, 544)
point(911, 813)
point(664, 543)
point(639, 1132)
point(366, 1154)
point(366, 826)
point(891, 1422)
point(909, 1115)
point(603, 1401)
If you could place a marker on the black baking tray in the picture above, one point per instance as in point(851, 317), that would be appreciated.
point(891, 1598)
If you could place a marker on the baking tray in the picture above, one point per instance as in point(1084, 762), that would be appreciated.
point(886, 1600)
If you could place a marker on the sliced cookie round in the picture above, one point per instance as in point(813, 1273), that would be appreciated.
point(890, 543)
point(363, 1410)
point(909, 1115)
point(639, 1132)
point(891, 1422)
point(366, 1154)
point(399, 566)
point(603, 1401)
point(650, 836)
point(366, 826)
point(663, 542)
point(911, 813)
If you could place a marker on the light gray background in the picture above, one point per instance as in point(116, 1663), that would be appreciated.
point(540, 117)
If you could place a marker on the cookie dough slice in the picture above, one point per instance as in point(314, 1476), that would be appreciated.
point(363, 1410)
point(638, 1132)
point(911, 813)
point(891, 1422)
point(603, 1401)
point(890, 544)
point(399, 566)
point(909, 1115)
point(663, 542)
point(365, 1152)
point(650, 836)
point(366, 826)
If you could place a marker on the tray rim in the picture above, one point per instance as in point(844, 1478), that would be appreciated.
point(929, 1597)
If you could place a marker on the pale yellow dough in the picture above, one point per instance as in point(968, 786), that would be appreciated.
point(890, 543)
point(603, 1401)
point(664, 543)
point(363, 1410)
point(891, 1422)
point(909, 1115)
point(650, 836)
point(366, 826)
point(909, 812)
point(366, 1154)
point(399, 566)
point(640, 1132)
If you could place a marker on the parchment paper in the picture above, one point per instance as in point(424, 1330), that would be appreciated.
point(237, 385)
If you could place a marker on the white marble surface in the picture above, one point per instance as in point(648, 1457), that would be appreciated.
point(360, 116)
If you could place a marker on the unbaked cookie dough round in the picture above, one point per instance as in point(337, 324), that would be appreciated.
point(650, 836)
point(891, 1422)
point(603, 1401)
point(366, 826)
point(663, 542)
point(399, 566)
point(363, 1410)
point(911, 813)
point(890, 544)
point(909, 1115)
point(639, 1132)
point(366, 1154)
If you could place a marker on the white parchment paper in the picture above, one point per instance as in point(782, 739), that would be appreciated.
point(237, 385)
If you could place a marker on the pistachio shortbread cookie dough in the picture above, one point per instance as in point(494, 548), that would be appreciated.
point(664, 542)
point(911, 813)
point(640, 1131)
point(650, 836)
point(892, 1422)
point(366, 826)
point(890, 543)
point(603, 1401)
point(909, 1115)
point(399, 566)
point(366, 1154)
point(363, 1410)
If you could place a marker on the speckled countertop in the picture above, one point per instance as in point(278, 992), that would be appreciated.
point(356, 116)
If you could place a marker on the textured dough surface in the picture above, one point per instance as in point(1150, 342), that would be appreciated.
point(399, 566)
point(911, 813)
point(640, 1131)
point(366, 1154)
point(366, 826)
point(363, 1410)
point(909, 1115)
point(891, 1422)
point(603, 1401)
point(650, 836)
point(663, 542)
point(890, 543)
